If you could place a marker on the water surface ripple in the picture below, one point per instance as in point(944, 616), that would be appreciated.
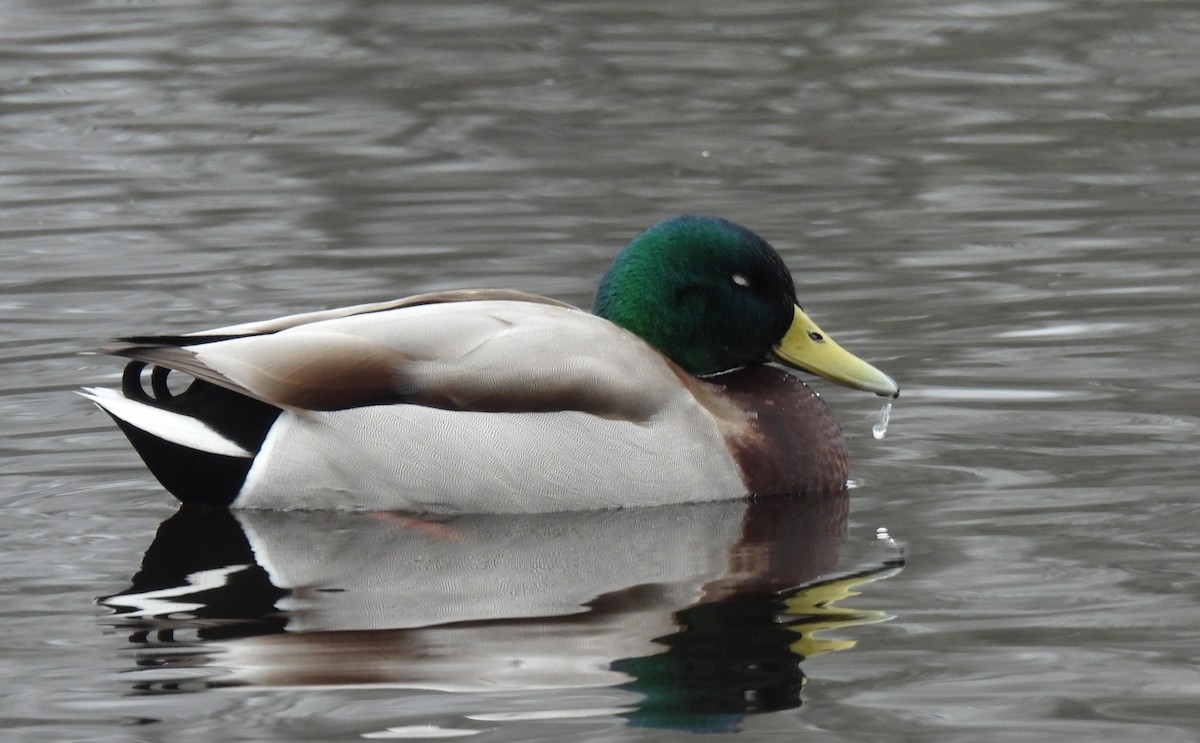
point(995, 201)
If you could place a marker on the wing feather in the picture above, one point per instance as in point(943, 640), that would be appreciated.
point(305, 318)
point(492, 352)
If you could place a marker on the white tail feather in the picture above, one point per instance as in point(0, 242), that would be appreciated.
point(163, 424)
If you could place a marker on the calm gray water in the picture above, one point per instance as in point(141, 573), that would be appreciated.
point(994, 200)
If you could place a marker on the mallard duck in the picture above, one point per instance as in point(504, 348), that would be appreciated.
point(669, 391)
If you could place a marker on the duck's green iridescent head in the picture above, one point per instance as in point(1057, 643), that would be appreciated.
point(711, 295)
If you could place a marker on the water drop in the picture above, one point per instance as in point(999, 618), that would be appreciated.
point(879, 430)
point(884, 539)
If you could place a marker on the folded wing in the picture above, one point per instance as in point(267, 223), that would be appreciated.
point(481, 351)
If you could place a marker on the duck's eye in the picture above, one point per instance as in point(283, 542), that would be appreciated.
point(741, 280)
point(816, 336)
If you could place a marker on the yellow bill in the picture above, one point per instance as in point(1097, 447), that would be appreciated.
point(807, 348)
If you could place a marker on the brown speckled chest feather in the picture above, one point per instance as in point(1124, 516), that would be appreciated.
point(792, 443)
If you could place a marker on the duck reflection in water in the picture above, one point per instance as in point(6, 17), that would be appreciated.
point(704, 611)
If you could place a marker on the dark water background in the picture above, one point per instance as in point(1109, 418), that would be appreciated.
point(995, 201)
